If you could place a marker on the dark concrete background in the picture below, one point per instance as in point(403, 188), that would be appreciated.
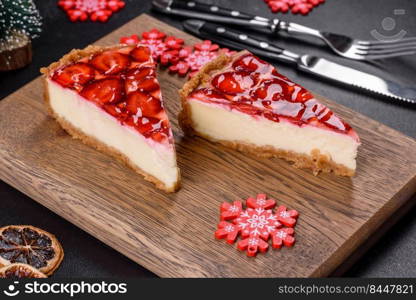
point(393, 256)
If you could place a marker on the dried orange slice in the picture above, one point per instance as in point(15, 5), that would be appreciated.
point(18, 270)
point(30, 245)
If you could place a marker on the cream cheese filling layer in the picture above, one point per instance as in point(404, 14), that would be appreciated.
point(156, 159)
point(220, 123)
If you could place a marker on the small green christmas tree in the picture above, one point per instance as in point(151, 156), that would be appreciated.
point(20, 21)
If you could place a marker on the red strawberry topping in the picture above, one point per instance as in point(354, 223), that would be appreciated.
point(269, 90)
point(141, 54)
point(148, 84)
point(252, 86)
point(160, 131)
point(212, 95)
point(141, 78)
point(250, 63)
point(140, 73)
point(233, 82)
point(110, 62)
point(152, 127)
point(143, 124)
point(102, 91)
point(140, 103)
point(74, 75)
point(112, 109)
point(123, 83)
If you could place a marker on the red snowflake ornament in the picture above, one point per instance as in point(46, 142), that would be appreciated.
point(95, 10)
point(227, 231)
point(154, 39)
point(282, 6)
point(181, 68)
point(301, 6)
point(316, 2)
point(156, 46)
point(261, 202)
point(193, 62)
point(295, 6)
point(231, 211)
point(197, 59)
point(287, 218)
point(193, 59)
point(130, 40)
point(256, 224)
point(172, 53)
point(174, 43)
point(227, 51)
point(115, 5)
point(255, 227)
point(253, 244)
point(206, 46)
point(153, 34)
point(169, 57)
point(185, 51)
point(283, 236)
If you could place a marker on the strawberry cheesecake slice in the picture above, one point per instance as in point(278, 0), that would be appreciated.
point(109, 98)
point(244, 103)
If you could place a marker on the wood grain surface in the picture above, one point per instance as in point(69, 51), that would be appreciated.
point(173, 234)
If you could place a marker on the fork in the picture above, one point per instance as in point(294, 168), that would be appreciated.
point(353, 48)
point(340, 44)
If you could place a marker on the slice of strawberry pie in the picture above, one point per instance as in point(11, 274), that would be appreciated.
point(109, 98)
point(244, 103)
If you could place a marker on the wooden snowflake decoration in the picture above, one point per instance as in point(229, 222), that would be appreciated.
point(295, 6)
point(172, 53)
point(257, 224)
point(94, 10)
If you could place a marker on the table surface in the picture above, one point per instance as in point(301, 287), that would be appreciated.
point(393, 256)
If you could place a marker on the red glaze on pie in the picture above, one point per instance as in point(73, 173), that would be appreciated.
point(243, 102)
point(110, 98)
point(123, 83)
point(252, 86)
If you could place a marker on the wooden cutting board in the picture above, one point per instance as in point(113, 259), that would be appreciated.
point(173, 234)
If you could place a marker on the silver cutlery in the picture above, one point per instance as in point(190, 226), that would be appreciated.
point(307, 63)
point(340, 44)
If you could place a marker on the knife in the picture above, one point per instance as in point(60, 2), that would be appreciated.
point(310, 64)
point(214, 13)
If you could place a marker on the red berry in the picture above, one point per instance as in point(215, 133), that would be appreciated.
point(112, 109)
point(110, 62)
point(141, 54)
point(135, 76)
point(271, 90)
point(250, 63)
point(233, 82)
point(159, 136)
point(143, 103)
point(271, 116)
point(102, 91)
point(160, 130)
point(149, 127)
point(148, 84)
point(75, 74)
point(115, 111)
